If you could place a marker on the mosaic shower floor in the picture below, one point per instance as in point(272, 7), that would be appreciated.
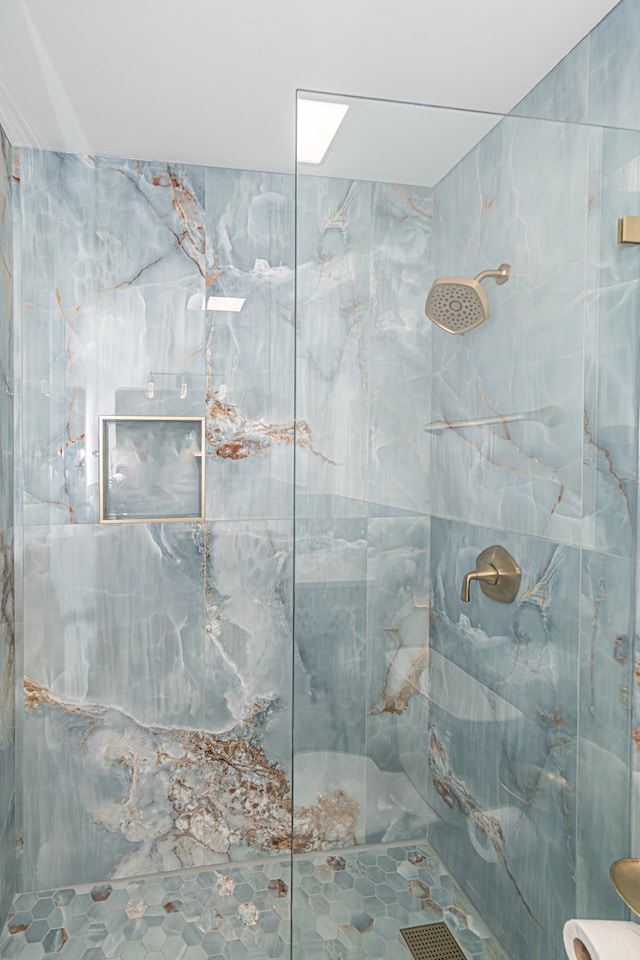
point(349, 903)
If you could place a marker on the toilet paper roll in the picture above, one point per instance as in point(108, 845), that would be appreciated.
point(601, 939)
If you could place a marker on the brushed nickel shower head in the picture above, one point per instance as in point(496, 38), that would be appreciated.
point(458, 304)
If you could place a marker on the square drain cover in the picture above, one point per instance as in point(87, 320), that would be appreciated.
point(432, 941)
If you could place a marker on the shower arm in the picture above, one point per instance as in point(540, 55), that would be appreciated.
point(501, 275)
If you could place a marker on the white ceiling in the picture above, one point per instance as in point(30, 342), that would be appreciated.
point(214, 81)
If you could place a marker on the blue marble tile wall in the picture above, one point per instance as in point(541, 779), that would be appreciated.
point(521, 766)
point(7, 632)
point(249, 356)
point(527, 359)
point(362, 525)
point(157, 657)
point(361, 380)
point(609, 646)
point(503, 733)
point(529, 732)
point(597, 83)
point(154, 652)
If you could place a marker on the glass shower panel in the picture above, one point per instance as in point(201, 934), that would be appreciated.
point(154, 735)
point(429, 731)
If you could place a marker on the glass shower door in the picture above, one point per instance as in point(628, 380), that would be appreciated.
point(440, 745)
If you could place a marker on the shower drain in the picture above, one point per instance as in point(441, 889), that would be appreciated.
point(432, 941)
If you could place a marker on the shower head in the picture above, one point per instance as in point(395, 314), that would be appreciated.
point(458, 304)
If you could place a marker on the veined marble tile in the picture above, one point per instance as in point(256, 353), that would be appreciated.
point(7, 619)
point(7, 380)
point(7, 723)
point(611, 422)
point(333, 336)
point(611, 349)
point(503, 727)
point(7, 842)
point(597, 81)
point(250, 354)
point(614, 72)
point(348, 574)
point(113, 276)
point(7, 460)
point(607, 682)
point(7, 646)
point(635, 731)
point(398, 611)
point(330, 635)
point(178, 638)
point(399, 374)
point(152, 798)
point(248, 630)
point(562, 94)
point(6, 245)
point(527, 358)
point(115, 615)
point(362, 383)
point(6, 335)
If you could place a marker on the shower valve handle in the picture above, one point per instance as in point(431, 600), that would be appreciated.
point(490, 575)
point(498, 575)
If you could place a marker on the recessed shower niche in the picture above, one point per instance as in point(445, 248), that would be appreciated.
point(151, 468)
